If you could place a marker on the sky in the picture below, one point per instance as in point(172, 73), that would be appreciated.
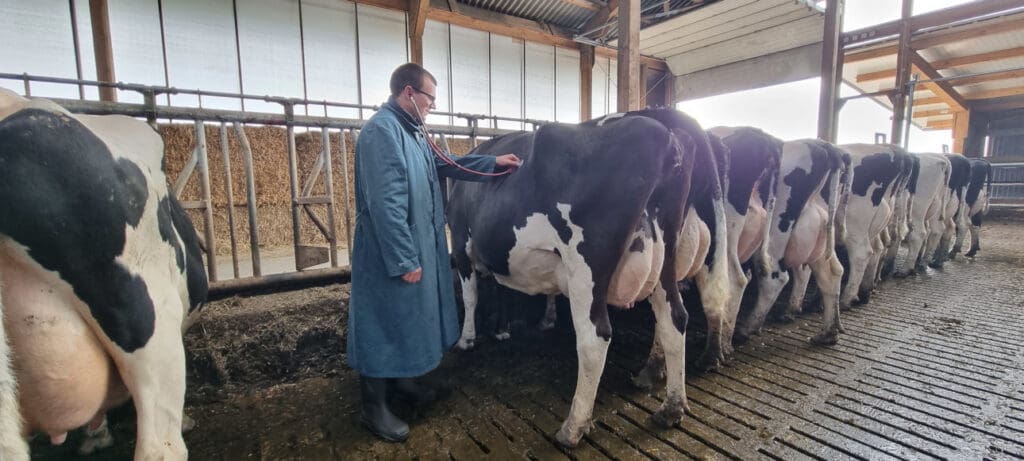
point(790, 110)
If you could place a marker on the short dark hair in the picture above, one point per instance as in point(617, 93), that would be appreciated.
point(409, 74)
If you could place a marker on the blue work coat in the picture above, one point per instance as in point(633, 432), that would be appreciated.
point(399, 329)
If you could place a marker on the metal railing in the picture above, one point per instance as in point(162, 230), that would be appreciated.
point(302, 196)
point(1008, 183)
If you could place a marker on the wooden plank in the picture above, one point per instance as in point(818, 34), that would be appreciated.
point(629, 56)
point(940, 125)
point(602, 17)
point(1004, 75)
point(941, 17)
point(586, 81)
point(103, 49)
point(1000, 93)
point(983, 29)
point(417, 23)
point(501, 24)
point(942, 89)
point(857, 56)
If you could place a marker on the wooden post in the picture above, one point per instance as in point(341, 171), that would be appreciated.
point(643, 86)
point(586, 81)
point(417, 23)
point(629, 56)
point(102, 48)
point(831, 68)
point(961, 125)
point(903, 57)
point(670, 89)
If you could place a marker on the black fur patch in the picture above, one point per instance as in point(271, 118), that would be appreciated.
point(65, 197)
point(881, 169)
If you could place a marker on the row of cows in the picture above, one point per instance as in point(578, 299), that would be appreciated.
point(101, 270)
point(624, 208)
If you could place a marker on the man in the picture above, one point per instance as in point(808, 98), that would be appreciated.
point(402, 314)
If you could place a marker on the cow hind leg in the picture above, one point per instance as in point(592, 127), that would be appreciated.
point(915, 241)
point(859, 255)
point(591, 352)
point(828, 274)
point(769, 285)
point(801, 276)
point(975, 241)
point(550, 313)
point(12, 444)
point(469, 300)
point(673, 345)
point(97, 436)
point(867, 284)
point(653, 371)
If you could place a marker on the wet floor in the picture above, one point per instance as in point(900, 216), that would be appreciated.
point(931, 368)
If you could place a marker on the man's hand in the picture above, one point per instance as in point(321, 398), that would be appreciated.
point(414, 276)
point(508, 161)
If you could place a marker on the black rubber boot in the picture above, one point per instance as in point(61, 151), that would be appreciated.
point(412, 390)
point(376, 415)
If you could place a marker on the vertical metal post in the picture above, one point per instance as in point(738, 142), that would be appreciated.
point(204, 181)
point(831, 68)
point(229, 191)
point(102, 48)
point(911, 87)
point(332, 239)
point(348, 207)
point(293, 178)
point(250, 189)
point(902, 74)
point(78, 49)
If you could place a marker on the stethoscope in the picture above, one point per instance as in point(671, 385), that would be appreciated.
point(440, 154)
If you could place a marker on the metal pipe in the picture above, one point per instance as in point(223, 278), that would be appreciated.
point(250, 189)
point(332, 238)
point(908, 118)
point(204, 181)
point(293, 180)
point(226, 288)
point(229, 190)
point(77, 46)
point(348, 207)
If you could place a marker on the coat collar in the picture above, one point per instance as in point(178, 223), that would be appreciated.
point(408, 122)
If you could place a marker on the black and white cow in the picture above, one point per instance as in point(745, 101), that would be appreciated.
point(956, 193)
point(866, 208)
point(927, 211)
point(100, 269)
point(802, 235)
point(902, 198)
point(572, 221)
point(749, 166)
point(976, 206)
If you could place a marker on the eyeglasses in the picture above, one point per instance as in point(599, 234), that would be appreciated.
point(428, 95)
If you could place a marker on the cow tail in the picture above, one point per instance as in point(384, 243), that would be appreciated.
point(12, 444)
point(774, 169)
point(988, 187)
point(836, 226)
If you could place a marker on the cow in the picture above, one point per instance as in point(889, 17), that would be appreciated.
point(802, 235)
point(926, 213)
point(956, 192)
point(749, 167)
point(569, 222)
point(100, 272)
point(902, 198)
point(976, 206)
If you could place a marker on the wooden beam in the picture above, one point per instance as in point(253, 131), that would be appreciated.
point(933, 113)
point(417, 23)
point(102, 48)
point(983, 29)
point(940, 125)
point(950, 63)
point(651, 63)
point(400, 5)
point(926, 101)
point(601, 18)
point(873, 53)
point(585, 4)
point(586, 82)
point(831, 70)
point(941, 17)
point(501, 24)
point(903, 59)
point(941, 89)
point(961, 125)
point(643, 86)
point(1000, 93)
point(1004, 75)
point(629, 56)
point(670, 90)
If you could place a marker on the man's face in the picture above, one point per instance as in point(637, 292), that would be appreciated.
point(424, 97)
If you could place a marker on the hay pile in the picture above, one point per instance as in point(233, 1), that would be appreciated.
point(273, 190)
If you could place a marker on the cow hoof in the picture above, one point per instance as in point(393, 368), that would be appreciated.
point(970, 254)
point(569, 438)
point(94, 441)
point(862, 299)
point(546, 325)
point(935, 265)
point(503, 336)
point(828, 338)
point(710, 363)
point(670, 413)
point(901, 275)
point(647, 379)
point(466, 343)
point(187, 424)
